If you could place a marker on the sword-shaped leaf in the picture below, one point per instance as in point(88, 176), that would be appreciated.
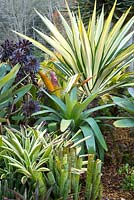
point(97, 132)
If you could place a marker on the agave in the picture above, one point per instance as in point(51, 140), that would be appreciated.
point(97, 53)
point(72, 113)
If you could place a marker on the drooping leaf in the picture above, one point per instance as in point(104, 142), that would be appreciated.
point(21, 92)
point(124, 123)
point(90, 143)
point(126, 104)
point(97, 132)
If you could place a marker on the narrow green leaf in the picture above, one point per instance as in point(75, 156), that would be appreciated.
point(91, 27)
point(21, 92)
point(86, 54)
point(88, 100)
point(101, 44)
point(35, 149)
point(56, 100)
point(114, 37)
point(90, 142)
point(9, 76)
point(91, 110)
point(67, 28)
point(71, 82)
point(97, 132)
point(99, 26)
point(56, 33)
point(1, 142)
point(41, 162)
point(122, 56)
point(27, 159)
point(43, 169)
point(70, 58)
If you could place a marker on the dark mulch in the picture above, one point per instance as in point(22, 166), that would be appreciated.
point(121, 150)
point(112, 185)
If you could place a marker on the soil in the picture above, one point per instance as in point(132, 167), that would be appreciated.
point(121, 151)
point(112, 185)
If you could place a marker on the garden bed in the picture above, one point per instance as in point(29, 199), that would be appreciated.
point(120, 145)
point(112, 185)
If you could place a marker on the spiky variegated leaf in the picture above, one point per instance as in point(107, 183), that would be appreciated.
point(97, 54)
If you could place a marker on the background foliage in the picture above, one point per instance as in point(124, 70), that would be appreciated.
point(20, 15)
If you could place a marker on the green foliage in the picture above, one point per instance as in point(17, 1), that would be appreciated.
point(27, 151)
point(93, 187)
point(128, 173)
point(10, 94)
point(67, 184)
point(87, 6)
point(7, 192)
point(98, 53)
point(64, 176)
point(127, 104)
point(6, 78)
point(70, 113)
point(49, 165)
point(18, 82)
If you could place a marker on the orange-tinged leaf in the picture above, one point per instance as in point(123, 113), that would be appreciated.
point(46, 81)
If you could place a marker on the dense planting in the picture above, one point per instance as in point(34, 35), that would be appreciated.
point(53, 111)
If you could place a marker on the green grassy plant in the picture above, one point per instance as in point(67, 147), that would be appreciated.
point(27, 151)
point(128, 177)
point(45, 166)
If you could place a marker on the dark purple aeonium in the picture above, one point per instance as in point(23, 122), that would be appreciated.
point(21, 53)
point(18, 56)
point(6, 50)
point(31, 64)
point(25, 45)
point(31, 107)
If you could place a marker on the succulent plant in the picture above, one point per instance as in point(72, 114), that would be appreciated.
point(20, 52)
point(30, 107)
